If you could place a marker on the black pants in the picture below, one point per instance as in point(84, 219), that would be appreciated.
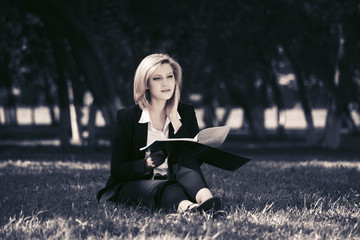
point(185, 180)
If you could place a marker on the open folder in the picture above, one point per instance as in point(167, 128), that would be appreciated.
point(205, 146)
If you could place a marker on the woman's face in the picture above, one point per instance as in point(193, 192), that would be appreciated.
point(162, 83)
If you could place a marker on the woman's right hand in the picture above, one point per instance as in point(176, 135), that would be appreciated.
point(155, 159)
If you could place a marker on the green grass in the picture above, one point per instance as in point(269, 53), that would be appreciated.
point(278, 195)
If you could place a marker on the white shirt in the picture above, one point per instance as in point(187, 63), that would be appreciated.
point(153, 135)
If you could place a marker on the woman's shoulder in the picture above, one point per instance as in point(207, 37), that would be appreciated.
point(130, 109)
point(185, 106)
point(128, 113)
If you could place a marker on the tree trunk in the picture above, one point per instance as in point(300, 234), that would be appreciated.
point(77, 90)
point(50, 101)
point(88, 57)
point(32, 110)
point(253, 109)
point(349, 121)
point(311, 139)
point(10, 109)
point(209, 115)
point(333, 127)
point(253, 114)
point(91, 125)
point(304, 99)
point(90, 66)
point(255, 104)
point(279, 101)
point(332, 134)
point(210, 118)
point(256, 121)
point(58, 49)
point(227, 113)
point(224, 100)
point(10, 106)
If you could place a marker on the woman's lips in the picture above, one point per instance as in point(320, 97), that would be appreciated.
point(166, 90)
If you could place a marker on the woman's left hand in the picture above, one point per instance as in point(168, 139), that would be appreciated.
point(172, 104)
point(171, 109)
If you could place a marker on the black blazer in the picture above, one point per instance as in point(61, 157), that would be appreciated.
point(127, 161)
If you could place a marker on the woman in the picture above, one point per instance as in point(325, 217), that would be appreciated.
point(170, 182)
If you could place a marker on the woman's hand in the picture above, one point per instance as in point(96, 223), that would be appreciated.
point(172, 107)
point(155, 159)
point(173, 102)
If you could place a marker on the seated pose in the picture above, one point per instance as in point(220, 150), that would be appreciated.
point(172, 181)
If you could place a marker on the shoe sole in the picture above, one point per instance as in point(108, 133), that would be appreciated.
point(210, 204)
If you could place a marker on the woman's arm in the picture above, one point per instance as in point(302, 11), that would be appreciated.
point(172, 109)
point(123, 165)
point(190, 126)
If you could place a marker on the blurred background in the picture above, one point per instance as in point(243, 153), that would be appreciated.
point(281, 71)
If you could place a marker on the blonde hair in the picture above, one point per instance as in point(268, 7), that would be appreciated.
point(143, 72)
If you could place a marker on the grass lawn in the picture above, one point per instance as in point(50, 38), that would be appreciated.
point(288, 194)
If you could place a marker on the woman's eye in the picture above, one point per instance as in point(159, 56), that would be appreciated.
point(170, 76)
point(156, 78)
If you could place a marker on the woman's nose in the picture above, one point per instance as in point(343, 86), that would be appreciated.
point(163, 82)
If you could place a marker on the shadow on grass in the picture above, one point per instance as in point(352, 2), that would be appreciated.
point(56, 193)
point(286, 184)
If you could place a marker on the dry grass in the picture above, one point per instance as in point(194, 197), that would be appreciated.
point(281, 195)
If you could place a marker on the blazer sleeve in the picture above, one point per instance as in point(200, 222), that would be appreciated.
point(123, 165)
point(189, 127)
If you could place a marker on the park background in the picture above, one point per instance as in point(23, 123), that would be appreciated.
point(284, 74)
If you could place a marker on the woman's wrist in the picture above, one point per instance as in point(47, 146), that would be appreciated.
point(175, 121)
point(173, 116)
point(147, 166)
point(147, 163)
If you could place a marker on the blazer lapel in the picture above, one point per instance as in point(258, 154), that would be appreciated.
point(140, 133)
point(171, 131)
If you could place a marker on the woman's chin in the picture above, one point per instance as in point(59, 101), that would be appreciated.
point(166, 96)
point(162, 98)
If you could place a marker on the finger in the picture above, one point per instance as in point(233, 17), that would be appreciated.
point(150, 162)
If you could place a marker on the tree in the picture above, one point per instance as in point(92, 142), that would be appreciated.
point(232, 54)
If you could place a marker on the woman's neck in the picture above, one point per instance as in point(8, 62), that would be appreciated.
point(158, 115)
point(157, 107)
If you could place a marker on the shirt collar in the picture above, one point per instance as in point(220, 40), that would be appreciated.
point(145, 117)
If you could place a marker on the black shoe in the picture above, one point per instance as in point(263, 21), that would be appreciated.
point(213, 204)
